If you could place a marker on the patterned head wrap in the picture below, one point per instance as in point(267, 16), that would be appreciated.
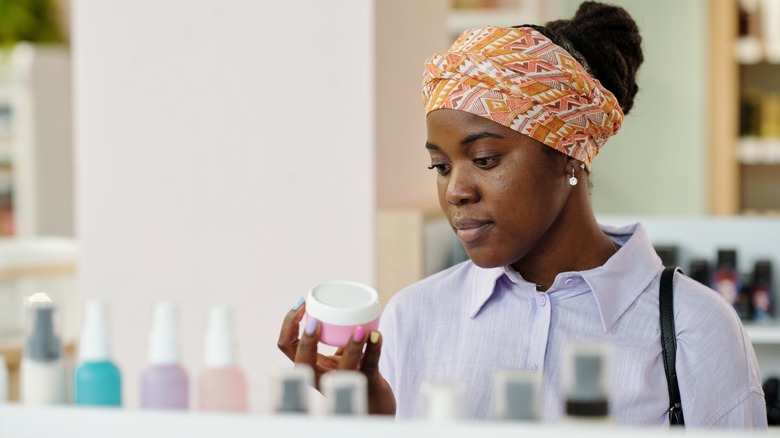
point(518, 78)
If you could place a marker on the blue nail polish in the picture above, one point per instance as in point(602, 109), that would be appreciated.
point(298, 303)
point(311, 326)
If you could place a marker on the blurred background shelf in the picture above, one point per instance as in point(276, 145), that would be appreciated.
point(764, 334)
point(36, 154)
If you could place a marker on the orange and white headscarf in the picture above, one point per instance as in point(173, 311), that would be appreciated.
point(518, 78)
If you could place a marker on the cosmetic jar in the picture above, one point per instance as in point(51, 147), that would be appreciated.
point(342, 306)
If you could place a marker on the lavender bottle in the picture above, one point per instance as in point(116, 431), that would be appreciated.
point(164, 384)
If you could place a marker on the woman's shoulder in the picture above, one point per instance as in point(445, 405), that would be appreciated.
point(704, 318)
point(434, 286)
point(690, 296)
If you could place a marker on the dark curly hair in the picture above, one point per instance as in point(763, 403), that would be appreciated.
point(606, 41)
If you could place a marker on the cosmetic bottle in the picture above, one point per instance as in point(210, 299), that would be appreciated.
point(42, 369)
point(744, 305)
point(164, 383)
point(3, 380)
point(443, 401)
point(725, 278)
point(222, 386)
point(668, 254)
point(586, 384)
point(290, 390)
point(516, 395)
point(345, 393)
point(97, 380)
point(700, 271)
point(762, 292)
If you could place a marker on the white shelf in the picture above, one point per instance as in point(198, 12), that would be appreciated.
point(763, 334)
point(755, 150)
point(84, 422)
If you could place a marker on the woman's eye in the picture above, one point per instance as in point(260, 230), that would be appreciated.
point(486, 161)
point(440, 167)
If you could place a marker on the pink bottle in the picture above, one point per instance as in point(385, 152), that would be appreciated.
point(164, 384)
point(222, 386)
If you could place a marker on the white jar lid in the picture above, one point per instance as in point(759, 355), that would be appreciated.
point(343, 303)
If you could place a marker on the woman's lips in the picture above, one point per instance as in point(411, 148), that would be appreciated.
point(469, 230)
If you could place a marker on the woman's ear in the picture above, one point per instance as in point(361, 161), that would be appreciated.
point(576, 164)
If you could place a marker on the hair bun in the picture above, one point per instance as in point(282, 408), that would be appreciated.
point(609, 40)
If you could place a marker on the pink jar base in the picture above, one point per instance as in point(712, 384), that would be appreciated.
point(339, 335)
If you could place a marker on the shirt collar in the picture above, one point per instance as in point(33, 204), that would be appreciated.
point(615, 285)
point(619, 282)
point(484, 286)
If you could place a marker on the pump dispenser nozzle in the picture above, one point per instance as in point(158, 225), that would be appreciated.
point(220, 342)
point(291, 389)
point(42, 344)
point(443, 401)
point(517, 395)
point(587, 392)
point(94, 344)
point(346, 392)
point(163, 338)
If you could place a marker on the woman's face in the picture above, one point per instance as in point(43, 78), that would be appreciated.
point(499, 189)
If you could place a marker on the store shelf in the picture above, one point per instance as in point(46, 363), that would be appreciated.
point(754, 150)
point(764, 333)
point(35, 141)
point(749, 50)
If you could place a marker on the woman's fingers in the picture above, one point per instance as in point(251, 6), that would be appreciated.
point(307, 346)
point(370, 363)
point(353, 352)
point(381, 399)
point(288, 336)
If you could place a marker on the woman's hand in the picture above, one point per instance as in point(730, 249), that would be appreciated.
point(352, 357)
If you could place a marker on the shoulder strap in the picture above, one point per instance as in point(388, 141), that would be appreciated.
point(669, 344)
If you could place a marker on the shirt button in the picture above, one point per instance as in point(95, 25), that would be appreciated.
point(542, 299)
point(568, 282)
point(533, 368)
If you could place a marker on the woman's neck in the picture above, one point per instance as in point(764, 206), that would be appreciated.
point(574, 242)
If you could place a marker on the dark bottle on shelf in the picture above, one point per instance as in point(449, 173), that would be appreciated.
point(700, 271)
point(762, 291)
point(725, 278)
point(667, 253)
point(744, 305)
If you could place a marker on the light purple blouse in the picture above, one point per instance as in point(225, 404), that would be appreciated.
point(465, 323)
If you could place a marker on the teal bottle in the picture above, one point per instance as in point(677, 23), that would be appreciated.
point(97, 380)
point(97, 384)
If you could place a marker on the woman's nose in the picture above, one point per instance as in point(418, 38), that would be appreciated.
point(461, 188)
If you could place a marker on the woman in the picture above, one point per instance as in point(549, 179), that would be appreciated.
point(515, 117)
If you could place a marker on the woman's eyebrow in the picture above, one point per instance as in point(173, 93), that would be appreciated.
point(477, 136)
point(468, 140)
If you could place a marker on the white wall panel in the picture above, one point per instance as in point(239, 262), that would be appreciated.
point(224, 154)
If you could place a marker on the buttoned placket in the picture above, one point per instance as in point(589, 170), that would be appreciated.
point(540, 332)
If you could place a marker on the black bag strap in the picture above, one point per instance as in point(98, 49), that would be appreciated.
point(669, 344)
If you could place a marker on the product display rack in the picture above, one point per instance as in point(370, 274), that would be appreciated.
point(745, 159)
point(36, 171)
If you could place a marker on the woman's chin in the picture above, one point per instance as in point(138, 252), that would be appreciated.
point(486, 262)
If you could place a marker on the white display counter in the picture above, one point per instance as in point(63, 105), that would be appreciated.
point(17, 421)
